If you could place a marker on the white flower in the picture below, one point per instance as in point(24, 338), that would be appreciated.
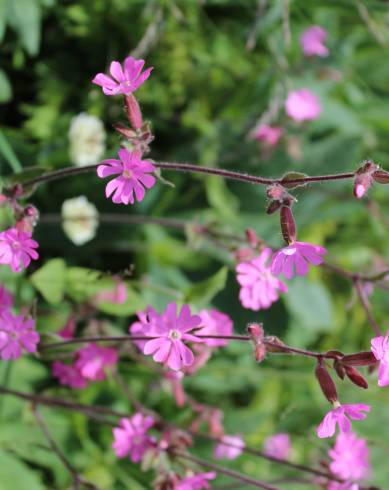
point(79, 220)
point(87, 139)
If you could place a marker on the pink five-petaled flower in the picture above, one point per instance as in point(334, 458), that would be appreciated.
point(294, 259)
point(380, 349)
point(333, 485)
point(123, 81)
point(171, 330)
point(17, 333)
point(133, 176)
point(270, 135)
point(350, 457)
point(259, 288)
point(17, 248)
point(312, 41)
point(93, 360)
point(229, 447)
point(131, 438)
point(302, 105)
point(68, 375)
point(6, 298)
point(338, 415)
point(215, 323)
point(278, 446)
point(196, 482)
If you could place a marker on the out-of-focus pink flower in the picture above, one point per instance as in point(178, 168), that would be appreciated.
point(364, 178)
point(259, 288)
point(278, 446)
point(380, 349)
point(333, 485)
point(294, 259)
point(350, 457)
point(230, 447)
point(215, 323)
point(196, 482)
point(6, 299)
point(338, 415)
point(93, 360)
point(270, 135)
point(17, 334)
point(144, 326)
point(68, 375)
point(67, 331)
point(17, 248)
point(302, 105)
point(131, 438)
point(171, 329)
point(118, 294)
point(132, 176)
point(126, 79)
point(312, 41)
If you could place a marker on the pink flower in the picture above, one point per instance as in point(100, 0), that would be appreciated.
point(118, 294)
point(67, 331)
point(333, 485)
point(259, 288)
point(278, 446)
point(230, 447)
point(144, 327)
point(196, 482)
point(17, 333)
point(302, 105)
point(270, 135)
point(133, 176)
point(338, 415)
point(93, 360)
point(131, 439)
point(350, 457)
point(68, 375)
point(171, 330)
point(6, 298)
point(312, 41)
point(294, 259)
point(17, 248)
point(214, 323)
point(123, 81)
point(380, 349)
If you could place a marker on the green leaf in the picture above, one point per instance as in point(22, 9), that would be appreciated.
point(82, 283)
point(25, 18)
point(203, 292)
point(3, 19)
point(15, 475)
point(7, 151)
point(5, 86)
point(49, 280)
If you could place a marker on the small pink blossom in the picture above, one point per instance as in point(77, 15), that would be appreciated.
point(259, 287)
point(230, 447)
point(125, 80)
point(270, 135)
point(196, 482)
point(133, 176)
point(131, 438)
point(350, 457)
point(338, 415)
point(17, 248)
point(145, 326)
point(68, 375)
point(6, 299)
point(294, 259)
point(67, 331)
point(302, 105)
point(171, 329)
point(213, 322)
point(278, 446)
point(17, 333)
point(93, 360)
point(117, 295)
point(380, 349)
point(312, 41)
point(333, 485)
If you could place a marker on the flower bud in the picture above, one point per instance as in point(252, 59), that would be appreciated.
point(381, 176)
point(288, 225)
point(364, 178)
point(256, 333)
point(339, 369)
point(359, 359)
point(134, 113)
point(355, 377)
point(273, 207)
point(251, 237)
point(326, 383)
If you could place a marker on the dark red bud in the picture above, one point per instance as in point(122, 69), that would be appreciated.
point(381, 176)
point(359, 359)
point(288, 225)
point(339, 369)
point(124, 131)
point(356, 377)
point(273, 207)
point(326, 383)
point(134, 113)
point(251, 237)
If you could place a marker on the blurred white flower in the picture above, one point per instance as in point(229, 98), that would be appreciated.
point(79, 220)
point(87, 139)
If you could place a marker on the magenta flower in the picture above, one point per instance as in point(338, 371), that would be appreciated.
point(17, 248)
point(117, 295)
point(259, 288)
point(312, 41)
point(302, 105)
point(350, 457)
point(93, 360)
point(6, 299)
point(68, 375)
point(333, 485)
point(17, 333)
point(125, 80)
point(380, 349)
point(171, 330)
point(214, 322)
point(196, 482)
point(230, 447)
point(294, 259)
point(278, 446)
point(131, 438)
point(145, 326)
point(133, 176)
point(338, 415)
point(270, 135)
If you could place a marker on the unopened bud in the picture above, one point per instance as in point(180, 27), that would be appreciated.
point(273, 207)
point(339, 369)
point(256, 333)
point(274, 344)
point(326, 383)
point(134, 113)
point(381, 176)
point(288, 225)
point(355, 377)
point(251, 237)
point(359, 359)
point(364, 178)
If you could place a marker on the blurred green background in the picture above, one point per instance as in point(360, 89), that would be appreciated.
point(218, 67)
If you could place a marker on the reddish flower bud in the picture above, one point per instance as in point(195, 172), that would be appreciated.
point(251, 237)
point(339, 369)
point(273, 207)
point(288, 225)
point(364, 178)
point(326, 383)
point(359, 359)
point(274, 344)
point(134, 113)
point(125, 131)
point(256, 333)
point(381, 176)
point(355, 377)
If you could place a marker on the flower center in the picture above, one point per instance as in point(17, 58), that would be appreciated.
point(174, 335)
point(127, 174)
